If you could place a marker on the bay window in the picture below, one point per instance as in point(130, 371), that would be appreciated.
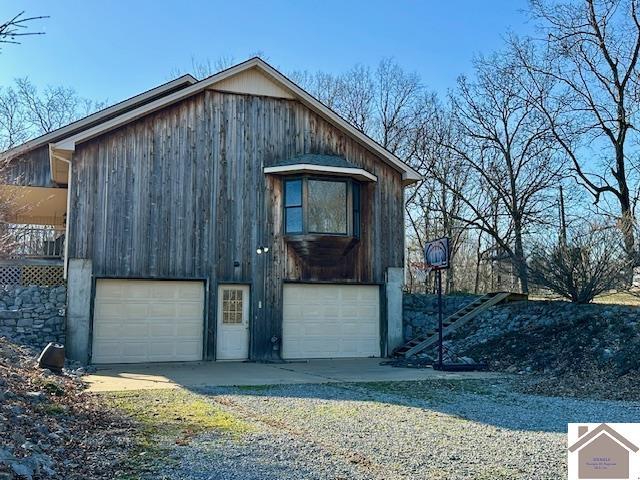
point(322, 206)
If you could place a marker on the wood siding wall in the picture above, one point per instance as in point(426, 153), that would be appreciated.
point(181, 194)
point(31, 169)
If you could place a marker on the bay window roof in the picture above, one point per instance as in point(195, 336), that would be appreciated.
point(320, 164)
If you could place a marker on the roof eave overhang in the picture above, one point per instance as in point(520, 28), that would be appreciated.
point(300, 168)
point(58, 134)
point(410, 178)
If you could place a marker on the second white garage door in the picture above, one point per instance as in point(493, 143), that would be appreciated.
point(147, 321)
point(330, 321)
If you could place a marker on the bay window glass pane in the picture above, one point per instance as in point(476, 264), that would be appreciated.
point(327, 209)
point(356, 209)
point(293, 193)
point(293, 219)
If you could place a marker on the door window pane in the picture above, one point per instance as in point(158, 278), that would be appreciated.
point(232, 306)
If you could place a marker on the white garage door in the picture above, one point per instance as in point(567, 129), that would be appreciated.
point(147, 321)
point(328, 321)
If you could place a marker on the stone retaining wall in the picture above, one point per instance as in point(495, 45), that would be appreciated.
point(33, 316)
point(420, 311)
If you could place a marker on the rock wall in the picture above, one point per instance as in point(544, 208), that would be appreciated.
point(33, 316)
point(549, 337)
point(420, 311)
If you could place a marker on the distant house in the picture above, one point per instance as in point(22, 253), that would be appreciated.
point(602, 453)
point(235, 217)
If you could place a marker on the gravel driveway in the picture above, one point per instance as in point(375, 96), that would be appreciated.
point(409, 430)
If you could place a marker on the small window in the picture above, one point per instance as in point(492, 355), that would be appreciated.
point(322, 206)
point(232, 306)
point(293, 206)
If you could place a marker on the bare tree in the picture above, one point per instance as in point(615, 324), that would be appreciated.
point(357, 97)
point(510, 160)
point(16, 27)
point(324, 86)
point(26, 112)
point(398, 108)
point(590, 54)
point(432, 209)
point(591, 262)
point(14, 127)
point(206, 67)
point(350, 94)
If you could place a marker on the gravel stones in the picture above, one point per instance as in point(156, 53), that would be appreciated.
point(389, 431)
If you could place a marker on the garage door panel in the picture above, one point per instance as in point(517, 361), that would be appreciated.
point(108, 331)
point(190, 293)
point(318, 346)
point(134, 310)
point(190, 331)
point(147, 321)
point(312, 329)
point(112, 290)
point(325, 321)
point(138, 290)
point(133, 330)
point(134, 349)
point(355, 330)
point(156, 330)
point(191, 311)
point(160, 310)
point(109, 309)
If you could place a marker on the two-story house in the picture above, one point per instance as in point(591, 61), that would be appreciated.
point(231, 218)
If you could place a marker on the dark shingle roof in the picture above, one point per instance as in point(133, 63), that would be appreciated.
point(315, 159)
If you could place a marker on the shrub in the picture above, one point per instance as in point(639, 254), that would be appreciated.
point(592, 262)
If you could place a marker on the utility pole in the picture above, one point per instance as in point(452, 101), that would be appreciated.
point(563, 220)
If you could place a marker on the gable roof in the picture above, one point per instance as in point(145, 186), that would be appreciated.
point(63, 146)
point(101, 116)
point(596, 432)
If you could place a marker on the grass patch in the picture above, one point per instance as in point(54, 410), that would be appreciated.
point(620, 298)
point(617, 298)
point(168, 417)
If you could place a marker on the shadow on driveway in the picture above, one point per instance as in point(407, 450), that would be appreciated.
point(486, 398)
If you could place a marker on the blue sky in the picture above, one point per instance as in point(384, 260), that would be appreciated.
point(115, 49)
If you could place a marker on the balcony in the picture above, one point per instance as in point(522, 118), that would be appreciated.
point(25, 241)
point(31, 255)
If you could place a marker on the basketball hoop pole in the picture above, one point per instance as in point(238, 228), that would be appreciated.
point(439, 275)
point(437, 256)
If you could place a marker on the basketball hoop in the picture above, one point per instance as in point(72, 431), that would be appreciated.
point(420, 271)
point(436, 256)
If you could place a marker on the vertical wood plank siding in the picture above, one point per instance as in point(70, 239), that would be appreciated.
point(31, 169)
point(181, 194)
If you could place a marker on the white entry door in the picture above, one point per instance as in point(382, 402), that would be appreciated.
point(233, 322)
